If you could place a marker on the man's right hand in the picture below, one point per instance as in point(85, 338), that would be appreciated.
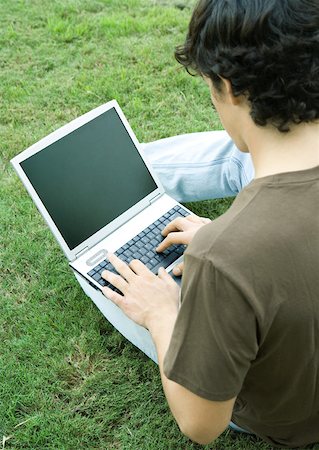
point(181, 231)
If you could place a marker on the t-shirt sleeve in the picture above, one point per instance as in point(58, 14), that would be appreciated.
point(215, 336)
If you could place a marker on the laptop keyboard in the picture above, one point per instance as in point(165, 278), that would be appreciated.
point(143, 246)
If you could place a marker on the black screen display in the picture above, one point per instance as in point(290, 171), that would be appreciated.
point(89, 177)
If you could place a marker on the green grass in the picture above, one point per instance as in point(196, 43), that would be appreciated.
point(68, 380)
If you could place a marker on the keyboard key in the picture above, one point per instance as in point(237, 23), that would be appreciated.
point(180, 249)
point(91, 273)
point(166, 262)
point(153, 262)
point(174, 216)
point(124, 258)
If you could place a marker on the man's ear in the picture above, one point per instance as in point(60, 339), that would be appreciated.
point(228, 92)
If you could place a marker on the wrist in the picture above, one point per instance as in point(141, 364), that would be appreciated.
point(163, 324)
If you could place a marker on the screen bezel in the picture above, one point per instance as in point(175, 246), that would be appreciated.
point(72, 254)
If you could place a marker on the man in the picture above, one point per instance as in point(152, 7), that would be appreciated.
point(243, 346)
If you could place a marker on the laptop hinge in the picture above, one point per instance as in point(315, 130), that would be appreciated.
point(84, 250)
point(155, 198)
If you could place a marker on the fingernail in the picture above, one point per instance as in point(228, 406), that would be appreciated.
point(177, 271)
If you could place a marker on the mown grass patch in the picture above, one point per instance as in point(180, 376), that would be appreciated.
point(68, 380)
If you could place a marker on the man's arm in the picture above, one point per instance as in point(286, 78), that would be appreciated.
point(152, 301)
point(199, 419)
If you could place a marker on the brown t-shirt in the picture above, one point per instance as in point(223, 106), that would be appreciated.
point(248, 325)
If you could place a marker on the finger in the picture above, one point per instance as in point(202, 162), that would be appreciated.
point(163, 275)
point(193, 218)
point(178, 269)
point(197, 219)
point(113, 296)
point(121, 267)
point(178, 224)
point(172, 238)
point(115, 279)
point(139, 268)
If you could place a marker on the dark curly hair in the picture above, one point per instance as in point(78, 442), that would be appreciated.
point(267, 49)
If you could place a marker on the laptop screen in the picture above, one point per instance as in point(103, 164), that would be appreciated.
point(89, 177)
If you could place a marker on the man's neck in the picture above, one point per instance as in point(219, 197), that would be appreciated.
point(274, 152)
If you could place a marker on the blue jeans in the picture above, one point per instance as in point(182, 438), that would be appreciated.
point(235, 427)
point(200, 166)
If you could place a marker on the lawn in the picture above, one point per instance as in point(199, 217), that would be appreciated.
point(68, 380)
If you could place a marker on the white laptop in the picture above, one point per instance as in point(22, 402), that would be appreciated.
point(97, 192)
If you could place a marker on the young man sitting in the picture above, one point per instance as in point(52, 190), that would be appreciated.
point(243, 346)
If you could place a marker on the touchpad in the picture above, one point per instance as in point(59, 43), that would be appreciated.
point(96, 258)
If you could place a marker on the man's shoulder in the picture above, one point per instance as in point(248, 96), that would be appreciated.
point(263, 239)
point(264, 216)
point(245, 236)
point(230, 233)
